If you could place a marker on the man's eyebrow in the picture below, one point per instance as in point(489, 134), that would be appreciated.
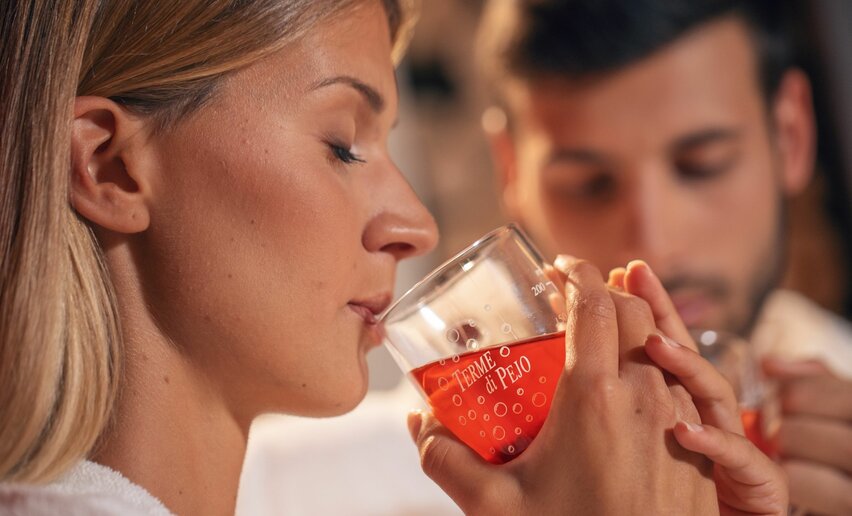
point(371, 95)
point(577, 155)
point(704, 136)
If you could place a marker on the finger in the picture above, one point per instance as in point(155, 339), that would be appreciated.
point(747, 481)
point(556, 276)
point(824, 396)
point(820, 440)
point(592, 330)
point(641, 281)
point(616, 278)
point(741, 459)
point(712, 394)
point(785, 369)
point(457, 469)
point(817, 488)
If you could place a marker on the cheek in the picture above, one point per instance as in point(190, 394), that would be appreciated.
point(249, 250)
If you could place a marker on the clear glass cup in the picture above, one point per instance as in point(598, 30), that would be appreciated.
point(483, 339)
point(735, 358)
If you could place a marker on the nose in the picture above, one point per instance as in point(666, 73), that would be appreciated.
point(402, 227)
point(652, 209)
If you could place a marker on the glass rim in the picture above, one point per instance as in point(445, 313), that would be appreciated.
point(450, 262)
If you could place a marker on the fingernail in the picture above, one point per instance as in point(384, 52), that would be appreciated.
point(670, 342)
point(415, 420)
point(694, 427)
point(561, 262)
point(637, 263)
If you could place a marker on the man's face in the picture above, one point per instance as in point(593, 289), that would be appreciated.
point(672, 160)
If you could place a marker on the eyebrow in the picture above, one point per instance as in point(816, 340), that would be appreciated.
point(581, 156)
point(705, 136)
point(374, 99)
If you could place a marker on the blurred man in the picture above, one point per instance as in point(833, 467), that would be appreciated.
point(674, 132)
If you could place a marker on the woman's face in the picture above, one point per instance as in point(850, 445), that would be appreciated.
point(278, 219)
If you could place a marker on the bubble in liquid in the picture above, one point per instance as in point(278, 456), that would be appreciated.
point(455, 358)
point(453, 335)
point(482, 433)
point(529, 418)
point(443, 384)
point(480, 400)
point(510, 449)
point(500, 409)
point(471, 323)
point(471, 414)
point(518, 430)
point(487, 308)
point(472, 344)
point(499, 433)
point(520, 391)
point(506, 328)
point(442, 362)
point(504, 351)
point(492, 451)
point(486, 417)
point(542, 379)
point(539, 399)
point(457, 400)
point(517, 408)
point(462, 420)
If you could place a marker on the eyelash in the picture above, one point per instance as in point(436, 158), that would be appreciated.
point(344, 155)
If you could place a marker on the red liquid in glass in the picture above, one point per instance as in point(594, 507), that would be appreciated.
point(496, 399)
point(754, 431)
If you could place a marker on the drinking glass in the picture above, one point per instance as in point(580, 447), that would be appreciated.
point(483, 339)
point(735, 358)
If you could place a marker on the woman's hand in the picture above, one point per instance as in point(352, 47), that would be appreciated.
point(607, 446)
point(747, 481)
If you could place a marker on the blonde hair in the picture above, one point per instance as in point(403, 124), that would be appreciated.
point(60, 336)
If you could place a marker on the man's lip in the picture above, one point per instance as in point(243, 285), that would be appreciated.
point(693, 309)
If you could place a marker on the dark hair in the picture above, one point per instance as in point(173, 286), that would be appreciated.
point(586, 38)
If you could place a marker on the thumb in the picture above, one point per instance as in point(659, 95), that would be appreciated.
point(457, 469)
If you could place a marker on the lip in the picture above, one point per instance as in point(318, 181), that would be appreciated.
point(692, 308)
point(368, 309)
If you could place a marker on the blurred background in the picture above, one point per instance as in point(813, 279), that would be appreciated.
point(441, 147)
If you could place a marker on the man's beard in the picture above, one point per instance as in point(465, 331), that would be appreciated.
point(766, 276)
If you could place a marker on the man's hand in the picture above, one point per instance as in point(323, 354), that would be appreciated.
point(815, 437)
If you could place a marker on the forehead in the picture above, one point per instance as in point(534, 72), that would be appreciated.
point(707, 77)
point(355, 42)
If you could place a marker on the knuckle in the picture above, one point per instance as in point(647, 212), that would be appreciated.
point(684, 405)
point(796, 397)
point(433, 456)
point(635, 307)
point(601, 395)
point(653, 393)
point(583, 269)
point(597, 305)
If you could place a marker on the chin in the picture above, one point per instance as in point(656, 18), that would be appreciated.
point(341, 396)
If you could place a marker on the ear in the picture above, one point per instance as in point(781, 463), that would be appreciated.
point(504, 155)
point(106, 185)
point(795, 131)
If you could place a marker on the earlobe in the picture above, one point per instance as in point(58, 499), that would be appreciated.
point(104, 187)
point(796, 132)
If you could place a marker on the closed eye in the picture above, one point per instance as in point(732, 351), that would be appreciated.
point(344, 154)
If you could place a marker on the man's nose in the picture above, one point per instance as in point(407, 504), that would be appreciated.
point(403, 227)
point(653, 218)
